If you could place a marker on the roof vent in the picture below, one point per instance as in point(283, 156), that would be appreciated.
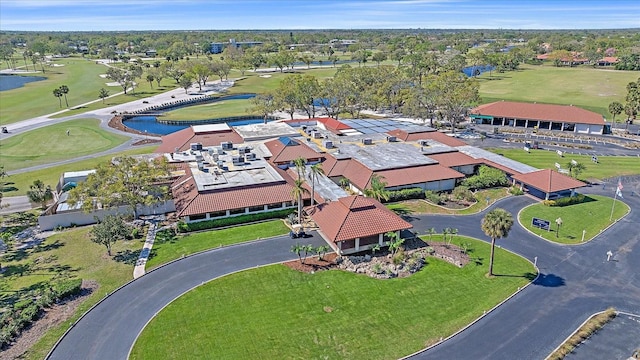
point(226, 145)
point(391, 139)
point(328, 144)
point(196, 146)
point(249, 156)
point(367, 141)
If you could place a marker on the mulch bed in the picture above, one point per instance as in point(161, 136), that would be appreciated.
point(313, 264)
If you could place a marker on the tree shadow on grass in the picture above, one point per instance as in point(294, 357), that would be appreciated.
point(528, 275)
point(128, 257)
point(52, 246)
point(15, 256)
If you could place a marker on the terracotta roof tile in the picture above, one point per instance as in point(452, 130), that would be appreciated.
point(358, 174)
point(549, 181)
point(543, 112)
point(427, 135)
point(356, 216)
point(281, 153)
point(417, 175)
point(333, 124)
point(455, 159)
point(182, 139)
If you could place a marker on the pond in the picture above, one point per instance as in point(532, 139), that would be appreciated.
point(151, 126)
point(10, 82)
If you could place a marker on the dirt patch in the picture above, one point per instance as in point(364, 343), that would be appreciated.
point(313, 264)
point(51, 318)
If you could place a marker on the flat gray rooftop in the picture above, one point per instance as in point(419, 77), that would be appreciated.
point(326, 188)
point(478, 153)
point(269, 130)
point(383, 155)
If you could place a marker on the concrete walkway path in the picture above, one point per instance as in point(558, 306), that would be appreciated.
point(139, 269)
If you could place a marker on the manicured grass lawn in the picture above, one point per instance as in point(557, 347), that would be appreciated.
point(69, 252)
point(607, 166)
point(20, 182)
point(284, 314)
point(51, 143)
point(193, 243)
point(36, 98)
point(592, 216)
point(220, 109)
point(592, 89)
point(424, 207)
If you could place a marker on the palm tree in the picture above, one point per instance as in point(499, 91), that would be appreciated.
point(615, 108)
point(316, 170)
point(496, 224)
point(300, 163)
point(297, 249)
point(452, 232)
point(296, 192)
point(39, 193)
point(377, 189)
point(431, 231)
point(64, 89)
point(58, 93)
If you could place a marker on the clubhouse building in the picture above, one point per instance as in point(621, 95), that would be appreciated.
point(540, 116)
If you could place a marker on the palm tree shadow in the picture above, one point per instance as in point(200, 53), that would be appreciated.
point(529, 276)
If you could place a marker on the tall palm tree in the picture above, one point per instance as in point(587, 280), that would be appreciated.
point(64, 89)
point(300, 163)
point(377, 189)
point(296, 192)
point(496, 224)
point(316, 170)
point(57, 93)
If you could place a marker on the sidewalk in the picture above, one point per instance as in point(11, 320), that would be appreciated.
point(139, 269)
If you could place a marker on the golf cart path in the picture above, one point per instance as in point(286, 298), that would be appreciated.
point(575, 282)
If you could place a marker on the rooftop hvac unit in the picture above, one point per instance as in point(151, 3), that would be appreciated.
point(196, 146)
point(391, 139)
point(328, 144)
point(200, 165)
point(367, 141)
point(244, 149)
point(317, 135)
point(249, 156)
point(199, 158)
point(226, 145)
point(238, 159)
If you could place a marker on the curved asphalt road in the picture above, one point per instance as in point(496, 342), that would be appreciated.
point(575, 282)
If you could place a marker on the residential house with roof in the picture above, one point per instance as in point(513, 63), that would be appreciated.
point(540, 116)
point(356, 223)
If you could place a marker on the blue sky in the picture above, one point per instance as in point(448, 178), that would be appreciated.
point(99, 15)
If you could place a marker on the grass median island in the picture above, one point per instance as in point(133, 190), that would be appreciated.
point(588, 88)
point(591, 216)
point(219, 109)
point(19, 183)
point(280, 313)
point(424, 207)
point(165, 251)
point(607, 166)
point(51, 143)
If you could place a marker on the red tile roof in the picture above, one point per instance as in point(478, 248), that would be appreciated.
point(543, 112)
point(427, 135)
point(455, 159)
point(333, 124)
point(610, 59)
point(334, 167)
point(356, 217)
point(549, 181)
point(417, 175)
point(358, 174)
point(184, 138)
point(285, 154)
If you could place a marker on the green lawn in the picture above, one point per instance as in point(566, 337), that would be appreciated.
point(193, 243)
point(219, 109)
point(607, 166)
point(36, 98)
point(51, 143)
point(591, 216)
point(592, 89)
point(19, 183)
point(425, 207)
point(284, 314)
point(70, 252)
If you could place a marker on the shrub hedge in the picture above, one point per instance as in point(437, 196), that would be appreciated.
point(487, 177)
point(216, 223)
point(565, 201)
point(406, 194)
point(24, 312)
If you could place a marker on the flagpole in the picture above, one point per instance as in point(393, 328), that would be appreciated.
point(612, 205)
